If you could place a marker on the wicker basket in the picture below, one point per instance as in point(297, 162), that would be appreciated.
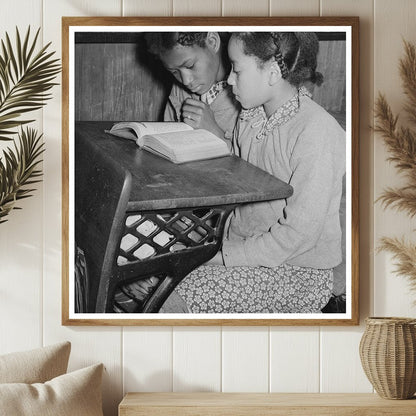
point(388, 356)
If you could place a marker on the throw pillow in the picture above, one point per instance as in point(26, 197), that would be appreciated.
point(35, 366)
point(73, 394)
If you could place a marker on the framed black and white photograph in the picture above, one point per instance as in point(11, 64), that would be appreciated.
point(210, 171)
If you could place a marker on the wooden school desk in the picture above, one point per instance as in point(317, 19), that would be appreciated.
point(138, 215)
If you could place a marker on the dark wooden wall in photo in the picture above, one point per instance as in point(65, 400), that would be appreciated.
point(118, 81)
point(115, 79)
point(331, 63)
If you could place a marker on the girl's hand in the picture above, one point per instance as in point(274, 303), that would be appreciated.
point(200, 116)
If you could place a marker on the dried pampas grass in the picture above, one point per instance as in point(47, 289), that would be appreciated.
point(401, 143)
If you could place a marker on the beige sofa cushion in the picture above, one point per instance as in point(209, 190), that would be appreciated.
point(73, 394)
point(35, 366)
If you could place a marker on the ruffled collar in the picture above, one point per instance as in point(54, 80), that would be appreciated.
point(281, 116)
point(213, 92)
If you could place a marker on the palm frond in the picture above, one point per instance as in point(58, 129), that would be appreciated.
point(19, 168)
point(25, 79)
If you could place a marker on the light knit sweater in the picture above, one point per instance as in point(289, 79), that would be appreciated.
point(302, 144)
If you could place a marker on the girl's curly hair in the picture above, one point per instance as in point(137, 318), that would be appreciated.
point(295, 52)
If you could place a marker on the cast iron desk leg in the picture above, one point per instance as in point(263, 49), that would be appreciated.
point(168, 244)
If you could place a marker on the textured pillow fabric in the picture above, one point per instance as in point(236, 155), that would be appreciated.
point(35, 366)
point(73, 394)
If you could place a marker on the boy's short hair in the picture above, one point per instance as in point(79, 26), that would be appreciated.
point(160, 42)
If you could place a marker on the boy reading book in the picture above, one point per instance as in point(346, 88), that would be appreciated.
point(200, 97)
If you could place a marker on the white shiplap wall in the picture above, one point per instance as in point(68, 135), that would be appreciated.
point(260, 359)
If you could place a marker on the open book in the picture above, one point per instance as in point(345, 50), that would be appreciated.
point(177, 142)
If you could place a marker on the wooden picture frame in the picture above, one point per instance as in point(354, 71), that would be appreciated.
point(98, 52)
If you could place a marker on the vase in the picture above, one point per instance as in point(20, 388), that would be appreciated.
point(388, 356)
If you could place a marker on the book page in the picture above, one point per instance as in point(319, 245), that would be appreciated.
point(160, 127)
point(128, 129)
point(135, 130)
point(187, 145)
point(185, 141)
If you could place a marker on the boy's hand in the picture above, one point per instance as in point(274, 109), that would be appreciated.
point(200, 116)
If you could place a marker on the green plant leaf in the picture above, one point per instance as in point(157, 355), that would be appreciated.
point(18, 170)
point(25, 78)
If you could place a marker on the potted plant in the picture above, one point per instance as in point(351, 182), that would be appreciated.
point(388, 345)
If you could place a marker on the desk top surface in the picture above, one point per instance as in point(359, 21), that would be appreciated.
point(160, 184)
